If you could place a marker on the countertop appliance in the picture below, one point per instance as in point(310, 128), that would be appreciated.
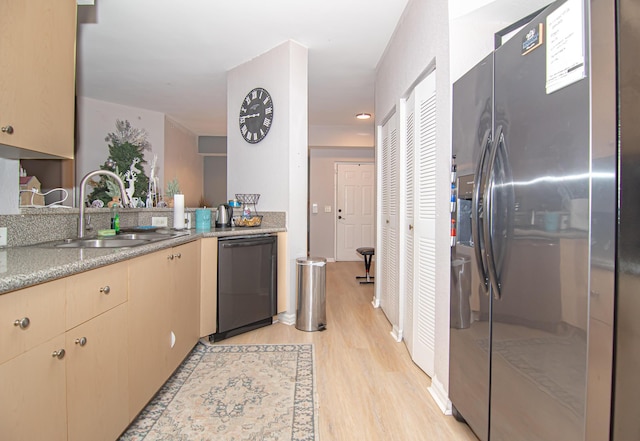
point(532, 341)
point(224, 214)
point(247, 283)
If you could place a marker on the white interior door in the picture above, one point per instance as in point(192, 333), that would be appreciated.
point(406, 227)
point(354, 209)
point(424, 226)
point(389, 252)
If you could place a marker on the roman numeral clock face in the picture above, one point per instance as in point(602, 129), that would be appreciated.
point(256, 115)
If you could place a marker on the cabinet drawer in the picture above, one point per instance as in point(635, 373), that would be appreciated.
point(40, 311)
point(91, 293)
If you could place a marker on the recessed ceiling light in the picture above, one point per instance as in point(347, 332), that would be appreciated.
point(363, 115)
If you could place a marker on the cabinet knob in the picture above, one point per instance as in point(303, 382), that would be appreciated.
point(178, 255)
point(105, 289)
point(81, 341)
point(23, 323)
point(59, 354)
point(7, 129)
point(170, 257)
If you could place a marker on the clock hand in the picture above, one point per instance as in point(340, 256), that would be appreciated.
point(253, 115)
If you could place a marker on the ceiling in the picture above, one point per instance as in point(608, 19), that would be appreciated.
point(172, 56)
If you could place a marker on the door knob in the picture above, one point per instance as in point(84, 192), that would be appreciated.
point(339, 217)
point(410, 227)
point(59, 354)
point(22, 323)
point(81, 341)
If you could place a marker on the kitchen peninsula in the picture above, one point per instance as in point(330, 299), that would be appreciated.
point(78, 324)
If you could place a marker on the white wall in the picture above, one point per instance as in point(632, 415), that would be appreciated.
point(96, 119)
point(276, 167)
point(9, 186)
point(422, 37)
point(322, 191)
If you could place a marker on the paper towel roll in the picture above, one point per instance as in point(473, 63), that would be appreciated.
point(178, 211)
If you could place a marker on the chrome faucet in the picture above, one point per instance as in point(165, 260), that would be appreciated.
point(124, 197)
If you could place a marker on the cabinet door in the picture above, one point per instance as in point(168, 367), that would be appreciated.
point(33, 404)
point(30, 316)
point(185, 301)
point(97, 377)
point(149, 327)
point(283, 279)
point(209, 286)
point(37, 68)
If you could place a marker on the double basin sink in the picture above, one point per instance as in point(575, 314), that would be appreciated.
point(123, 240)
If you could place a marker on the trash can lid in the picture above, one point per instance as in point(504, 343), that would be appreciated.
point(319, 261)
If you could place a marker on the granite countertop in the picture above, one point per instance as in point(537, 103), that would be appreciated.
point(24, 266)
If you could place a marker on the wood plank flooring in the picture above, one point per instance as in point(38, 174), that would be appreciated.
point(368, 387)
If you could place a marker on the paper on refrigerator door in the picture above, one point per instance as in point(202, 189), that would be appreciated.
point(565, 46)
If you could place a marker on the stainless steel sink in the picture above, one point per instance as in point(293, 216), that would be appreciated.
point(101, 243)
point(124, 240)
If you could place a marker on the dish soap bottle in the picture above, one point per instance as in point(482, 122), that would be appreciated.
point(115, 218)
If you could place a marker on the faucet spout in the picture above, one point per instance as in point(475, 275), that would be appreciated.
point(124, 197)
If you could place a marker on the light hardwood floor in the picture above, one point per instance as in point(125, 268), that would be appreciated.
point(368, 387)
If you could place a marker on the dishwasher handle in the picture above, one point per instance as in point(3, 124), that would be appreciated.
point(245, 242)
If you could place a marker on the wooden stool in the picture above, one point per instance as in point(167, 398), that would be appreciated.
point(367, 253)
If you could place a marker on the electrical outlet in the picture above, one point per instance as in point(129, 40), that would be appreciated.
point(3, 236)
point(159, 221)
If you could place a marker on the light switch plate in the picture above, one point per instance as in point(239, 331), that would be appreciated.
point(327, 208)
point(3, 236)
point(159, 221)
point(314, 208)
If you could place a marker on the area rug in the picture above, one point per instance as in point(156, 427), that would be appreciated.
point(235, 393)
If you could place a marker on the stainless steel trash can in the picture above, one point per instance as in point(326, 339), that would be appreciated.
point(311, 311)
point(460, 293)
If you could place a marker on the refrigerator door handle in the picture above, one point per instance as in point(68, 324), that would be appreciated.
point(488, 231)
point(475, 216)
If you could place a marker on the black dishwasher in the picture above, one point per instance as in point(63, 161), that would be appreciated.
point(247, 283)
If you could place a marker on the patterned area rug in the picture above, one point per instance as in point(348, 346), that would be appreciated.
point(233, 393)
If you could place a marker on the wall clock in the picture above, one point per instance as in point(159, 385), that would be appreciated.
point(256, 115)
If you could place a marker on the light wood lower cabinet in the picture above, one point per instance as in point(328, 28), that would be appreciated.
point(208, 286)
point(163, 318)
point(185, 302)
point(34, 400)
point(97, 378)
point(149, 334)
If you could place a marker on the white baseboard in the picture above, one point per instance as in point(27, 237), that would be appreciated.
point(396, 334)
point(440, 396)
point(330, 260)
point(286, 318)
point(375, 302)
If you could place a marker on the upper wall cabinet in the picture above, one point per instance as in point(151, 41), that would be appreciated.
point(37, 78)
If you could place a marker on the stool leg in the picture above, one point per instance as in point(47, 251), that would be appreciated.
point(367, 266)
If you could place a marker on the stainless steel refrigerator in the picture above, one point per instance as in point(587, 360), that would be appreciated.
point(533, 266)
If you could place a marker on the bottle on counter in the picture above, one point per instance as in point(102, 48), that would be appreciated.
point(115, 218)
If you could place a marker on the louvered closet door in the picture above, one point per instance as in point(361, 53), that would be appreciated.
point(424, 228)
point(389, 300)
point(407, 227)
